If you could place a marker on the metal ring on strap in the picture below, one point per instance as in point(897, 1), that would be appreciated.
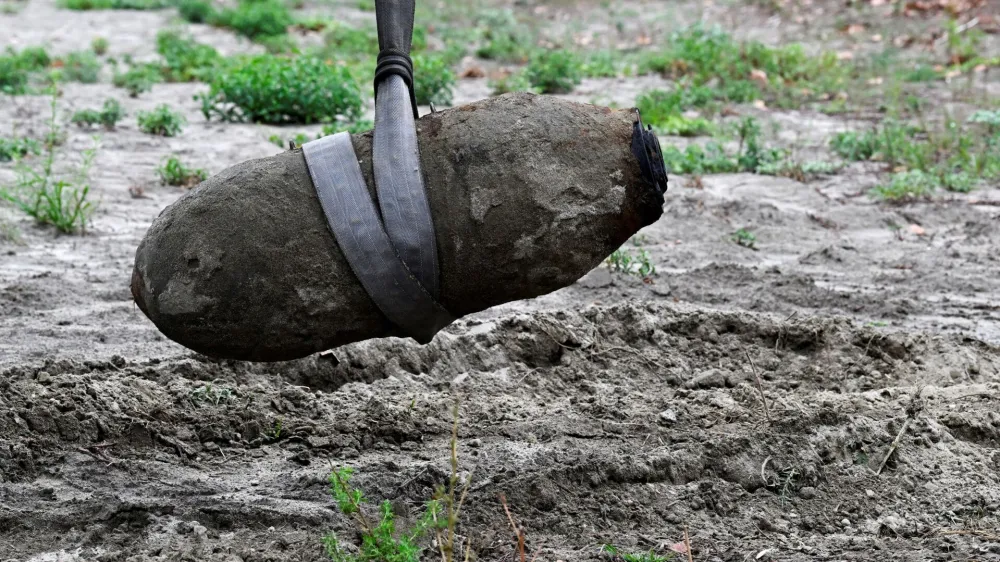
point(351, 215)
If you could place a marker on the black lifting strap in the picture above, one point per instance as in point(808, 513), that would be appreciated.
point(394, 258)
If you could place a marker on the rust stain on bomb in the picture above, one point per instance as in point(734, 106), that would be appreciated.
point(515, 218)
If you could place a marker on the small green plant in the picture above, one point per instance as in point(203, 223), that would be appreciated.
point(745, 238)
point(663, 110)
point(512, 82)
point(554, 71)
point(114, 4)
point(196, 11)
point(922, 73)
point(99, 45)
point(434, 81)
point(751, 155)
point(108, 116)
point(908, 185)
point(625, 262)
point(963, 43)
point(650, 556)
point(348, 43)
point(185, 59)
point(82, 66)
point(741, 72)
point(138, 79)
point(276, 429)
point(161, 121)
point(601, 64)
point(174, 172)
point(502, 37)
point(953, 155)
point(50, 200)
point(17, 148)
point(276, 90)
point(799, 171)
point(256, 19)
point(380, 540)
point(353, 127)
point(211, 394)
point(17, 68)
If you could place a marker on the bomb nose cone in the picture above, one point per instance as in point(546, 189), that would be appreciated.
point(527, 194)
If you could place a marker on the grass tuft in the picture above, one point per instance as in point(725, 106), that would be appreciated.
point(434, 81)
point(18, 67)
point(277, 90)
point(174, 172)
point(58, 201)
point(184, 59)
point(161, 121)
point(108, 116)
point(256, 19)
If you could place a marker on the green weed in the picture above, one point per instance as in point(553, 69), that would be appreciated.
point(433, 80)
point(174, 172)
point(17, 68)
point(99, 45)
point(799, 171)
point(601, 64)
point(353, 127)
point(502, 37)
point(922, 73)
point(554, 71)
point(953, 156)
point(108, 116)
point(185, 59)
point(138, 79)
point(751, 154)
point(908, 185)
point(256, 19)
point(271, 89)
point(51, 200)
point(82, 66)
point(17, 148)
point(161, 121)
point(650, 556)
point(196, 11)
point(742, 72)
point(964, 44)
point(381, 541)
point(299, 139)
point(664, 111)
point(350, 43)
point(512, 82)
point(114, 4)
point(625, 262)
point(745, 238)
point(212, 394)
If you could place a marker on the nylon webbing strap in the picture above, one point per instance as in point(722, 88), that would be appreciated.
point(356, 225)
point(399, 183)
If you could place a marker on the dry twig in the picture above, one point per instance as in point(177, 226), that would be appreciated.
point(760, 387)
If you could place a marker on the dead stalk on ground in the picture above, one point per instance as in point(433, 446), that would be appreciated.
point(760, 387)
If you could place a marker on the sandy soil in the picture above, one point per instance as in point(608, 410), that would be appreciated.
point(613, 411)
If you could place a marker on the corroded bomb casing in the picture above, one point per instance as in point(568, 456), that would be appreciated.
point(528, 193)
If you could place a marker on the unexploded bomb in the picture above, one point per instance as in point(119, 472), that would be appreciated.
point(528, 193)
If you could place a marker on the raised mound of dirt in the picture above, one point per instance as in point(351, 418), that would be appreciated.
point(620, 424)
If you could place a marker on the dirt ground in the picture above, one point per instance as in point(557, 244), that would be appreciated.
point(614, 411)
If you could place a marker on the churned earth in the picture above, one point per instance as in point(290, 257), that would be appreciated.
point(831, 394)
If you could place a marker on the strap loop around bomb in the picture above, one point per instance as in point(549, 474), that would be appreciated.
point(393, 62)
point(358, 229)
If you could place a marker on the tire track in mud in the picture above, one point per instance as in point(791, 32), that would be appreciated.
point(612, 424)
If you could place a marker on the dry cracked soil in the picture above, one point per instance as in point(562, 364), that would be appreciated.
point(832, 395)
